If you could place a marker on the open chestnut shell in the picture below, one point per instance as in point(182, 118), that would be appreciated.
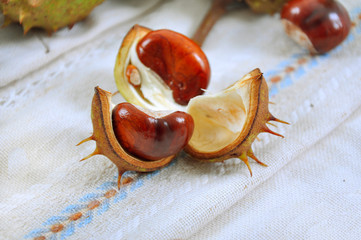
point(160, 69)
point(108, 145)
point(227, 123)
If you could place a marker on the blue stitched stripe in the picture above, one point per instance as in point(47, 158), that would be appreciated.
point(55, 219)
point(68, 231)
point(90, 196)
point(104, 207)
point(36, 232)
point(88, 217)
point(73, 208)
point(120, 196)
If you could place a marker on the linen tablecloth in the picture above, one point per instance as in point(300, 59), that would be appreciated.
point(311, 188)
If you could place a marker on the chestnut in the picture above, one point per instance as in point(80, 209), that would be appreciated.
point(146, 143)
point(318, 25)
point(160, 69)
point(151, 135)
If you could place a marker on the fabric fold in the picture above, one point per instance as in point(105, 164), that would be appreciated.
point(47, 193)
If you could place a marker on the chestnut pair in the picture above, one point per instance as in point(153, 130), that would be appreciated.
point(164, 70)
point(163, 74)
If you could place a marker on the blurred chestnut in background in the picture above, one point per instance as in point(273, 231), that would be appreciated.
point(318, 25)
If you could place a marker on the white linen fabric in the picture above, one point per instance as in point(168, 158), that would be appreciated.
point(310, 189)
point(42, 48)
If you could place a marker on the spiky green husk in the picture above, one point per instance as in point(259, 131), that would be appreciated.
point(49, 15)
point(266, 6)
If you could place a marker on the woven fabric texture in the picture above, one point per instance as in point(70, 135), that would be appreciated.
point(310, 189)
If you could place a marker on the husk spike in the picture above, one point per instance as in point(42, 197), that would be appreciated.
point(22, 16)
point(266, 129)
point(120, 174)
point(70, 26)
point(86, 140)
point(96, 152)
point(26, 28)
point(272, 124)
point(244, 158)
point(272, 118)
point(251, 155)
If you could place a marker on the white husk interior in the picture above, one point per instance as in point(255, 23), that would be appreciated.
point(219, 118)
point(156, 114)
point(157, 95)
point(297, 35)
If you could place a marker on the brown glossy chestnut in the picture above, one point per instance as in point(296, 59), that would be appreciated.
point(160, 69)
point(179, 61)
point(151, 137)
point(319, 25)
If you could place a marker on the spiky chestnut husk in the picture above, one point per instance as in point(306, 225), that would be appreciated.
point(49, 15)
point(266, 6)
point(106, 141)
point(255, 106)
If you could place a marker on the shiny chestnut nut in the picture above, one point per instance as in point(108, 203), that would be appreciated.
point(160, 69)
point(136, 140)
point(151, 135)
point(318, 25)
